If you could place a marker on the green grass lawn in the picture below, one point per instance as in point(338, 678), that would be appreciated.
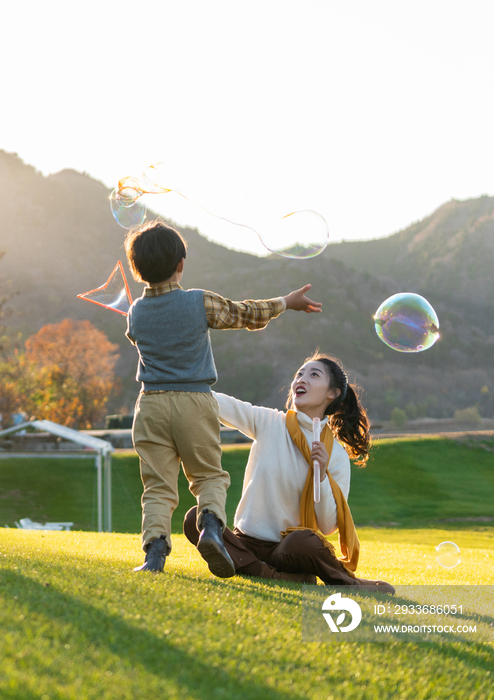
point(420, 481)
point(78, 624)
point(409, 481)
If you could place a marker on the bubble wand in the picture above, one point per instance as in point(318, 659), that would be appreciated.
point(316, 436)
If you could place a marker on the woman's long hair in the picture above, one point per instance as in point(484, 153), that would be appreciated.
point(347, 417)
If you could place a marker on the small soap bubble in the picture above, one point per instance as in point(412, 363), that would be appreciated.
point(448, 554)
point(126, 208)
point(407, 322)
point(301, 234)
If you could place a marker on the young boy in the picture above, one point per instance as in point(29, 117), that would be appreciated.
point(176, 415)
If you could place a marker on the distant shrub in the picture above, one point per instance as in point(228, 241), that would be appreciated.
point(469, 415)
point(411, 410)
point(399, 417)
point(427, 407)
point(119, 422)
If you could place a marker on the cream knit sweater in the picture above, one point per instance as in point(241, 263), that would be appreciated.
point(276, 472)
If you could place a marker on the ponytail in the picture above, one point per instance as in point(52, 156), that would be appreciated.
point(350, 425)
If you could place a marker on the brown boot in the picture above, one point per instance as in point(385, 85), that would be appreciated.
point(269, 572)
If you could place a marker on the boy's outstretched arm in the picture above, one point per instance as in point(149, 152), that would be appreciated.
point(254, 315)
point(297, 301)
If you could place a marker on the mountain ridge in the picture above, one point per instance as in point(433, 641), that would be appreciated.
point(60, 240)
point(449, 252)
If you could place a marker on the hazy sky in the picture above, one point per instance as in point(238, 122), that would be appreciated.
point(371, 113)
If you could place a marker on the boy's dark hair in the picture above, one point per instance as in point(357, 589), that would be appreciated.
point(154, 250)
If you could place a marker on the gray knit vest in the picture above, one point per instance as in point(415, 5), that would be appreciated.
point(171, 333)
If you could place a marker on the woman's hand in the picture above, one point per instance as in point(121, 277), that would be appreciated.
point(320, 454)
point(297, 301)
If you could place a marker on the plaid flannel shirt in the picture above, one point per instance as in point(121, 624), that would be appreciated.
point(223, 313)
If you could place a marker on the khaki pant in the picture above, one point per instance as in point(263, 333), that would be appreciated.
point(168, 427)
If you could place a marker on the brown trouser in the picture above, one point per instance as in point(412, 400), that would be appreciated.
point(300, 552)
point(170, 426)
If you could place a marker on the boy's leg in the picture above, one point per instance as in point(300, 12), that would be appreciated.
point(160, 464)
point(241, 556)
point(196, 429)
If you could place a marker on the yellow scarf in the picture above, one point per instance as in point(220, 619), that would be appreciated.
point(347, 535)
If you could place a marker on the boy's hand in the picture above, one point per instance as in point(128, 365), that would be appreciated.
point(297, 301)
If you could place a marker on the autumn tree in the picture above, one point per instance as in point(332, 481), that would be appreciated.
point(6, 295)
point(69, 371)
point(10, 378)
point(9, 375)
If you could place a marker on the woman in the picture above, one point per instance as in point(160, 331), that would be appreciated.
point(279, 532)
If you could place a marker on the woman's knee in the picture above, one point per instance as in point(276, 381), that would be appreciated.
point(190, 528)
point(300, 542)
point(298, 551)
point(292, 554)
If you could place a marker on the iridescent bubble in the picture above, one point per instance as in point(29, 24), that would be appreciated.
point(301, 234)
point(407, 322)
point(114, 294)
point(448, 554)
point(126, 208)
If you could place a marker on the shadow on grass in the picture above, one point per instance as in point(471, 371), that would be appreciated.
point(134, 646)
point(484, 655)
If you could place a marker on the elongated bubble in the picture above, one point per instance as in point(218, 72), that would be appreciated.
point(114, 294)
point(300, 234)
point(407, 322)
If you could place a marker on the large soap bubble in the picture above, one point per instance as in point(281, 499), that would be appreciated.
point(407, 322)
point(300, 234)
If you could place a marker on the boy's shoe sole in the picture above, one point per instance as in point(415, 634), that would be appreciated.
point(219, 562)
point(147, 567)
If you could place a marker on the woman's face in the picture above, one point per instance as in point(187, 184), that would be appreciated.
point(310, 389)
